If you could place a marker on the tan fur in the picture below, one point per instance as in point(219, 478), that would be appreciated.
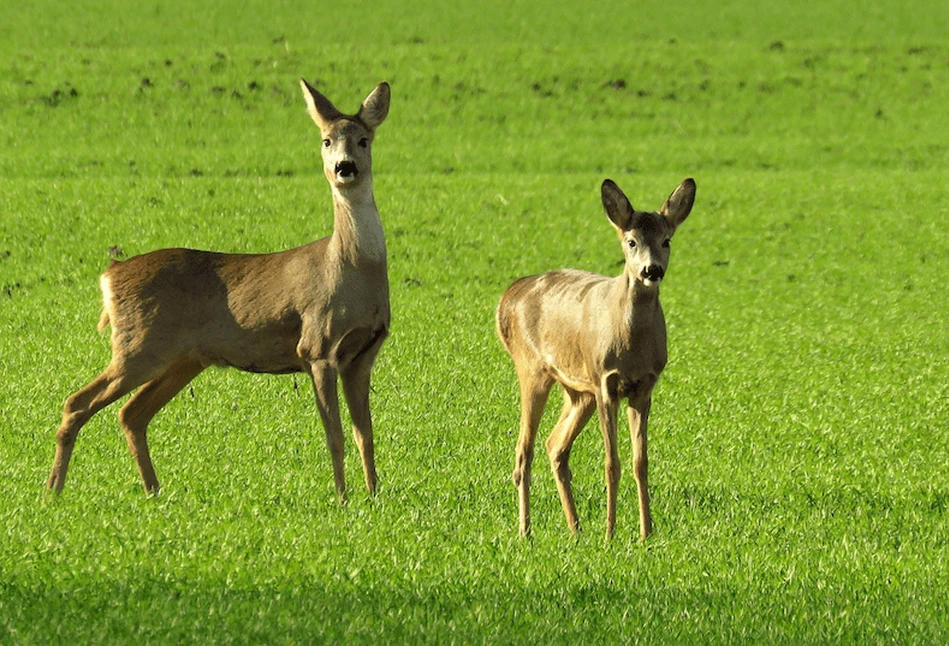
point(602, 339)
point(322, 308)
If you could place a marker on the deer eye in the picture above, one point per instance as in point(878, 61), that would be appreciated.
point(631, 243)
point(363, 142)
point(326, 143)
point(665, 243)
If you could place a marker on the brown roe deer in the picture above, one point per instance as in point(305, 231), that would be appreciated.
point(602, 339)
point(322, 309)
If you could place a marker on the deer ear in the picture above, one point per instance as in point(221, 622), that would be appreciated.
point(374, 109)
point(679, 204)
point(617, 206)
point(319, 107)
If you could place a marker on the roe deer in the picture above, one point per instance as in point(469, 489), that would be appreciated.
point(602, 339)
point(322, 308)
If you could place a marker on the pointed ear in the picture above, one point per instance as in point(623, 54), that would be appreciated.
point(679, 204)
point(374, 109)
point(618, 209)
point(319, 107)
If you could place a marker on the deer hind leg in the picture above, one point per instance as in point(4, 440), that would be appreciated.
point(114, 382)
point(577, 409)
point(327, 401)
point(142, 407)
point(534, 392)
point(356, 379)
point(638, 413)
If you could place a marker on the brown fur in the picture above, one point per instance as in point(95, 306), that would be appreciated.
point(602, 339)
point(322, 308)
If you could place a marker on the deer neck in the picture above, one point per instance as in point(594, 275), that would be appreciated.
point(357, 228)
point(639, 302)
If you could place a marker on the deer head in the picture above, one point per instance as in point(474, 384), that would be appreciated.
point(645, 235)
point(347, 139)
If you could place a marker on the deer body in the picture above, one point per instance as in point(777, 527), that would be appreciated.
point(209, 305)
point(581, 341)
point(322, 308)
point(603, 340)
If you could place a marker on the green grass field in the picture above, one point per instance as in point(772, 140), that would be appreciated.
point(799, 436)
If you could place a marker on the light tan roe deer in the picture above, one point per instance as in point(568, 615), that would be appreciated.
point(602, 339)
point(322, 309)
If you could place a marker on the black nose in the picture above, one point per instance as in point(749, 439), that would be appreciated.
point(654, 273)
point(346, 169)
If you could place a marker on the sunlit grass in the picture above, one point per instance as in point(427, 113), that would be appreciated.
point(798, 462)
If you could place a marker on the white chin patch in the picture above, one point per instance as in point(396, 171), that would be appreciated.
point(651, 283)
point(345, 179)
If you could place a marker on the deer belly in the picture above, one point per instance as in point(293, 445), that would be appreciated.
point(271, 350)
point(570, 374)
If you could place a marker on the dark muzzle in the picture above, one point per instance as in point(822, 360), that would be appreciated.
point(653, 273)
point(347, 169)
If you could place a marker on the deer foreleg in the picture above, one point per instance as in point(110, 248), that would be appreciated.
point(327, 401)
point(638, 419)
point(356, 380)
point(606, 405)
